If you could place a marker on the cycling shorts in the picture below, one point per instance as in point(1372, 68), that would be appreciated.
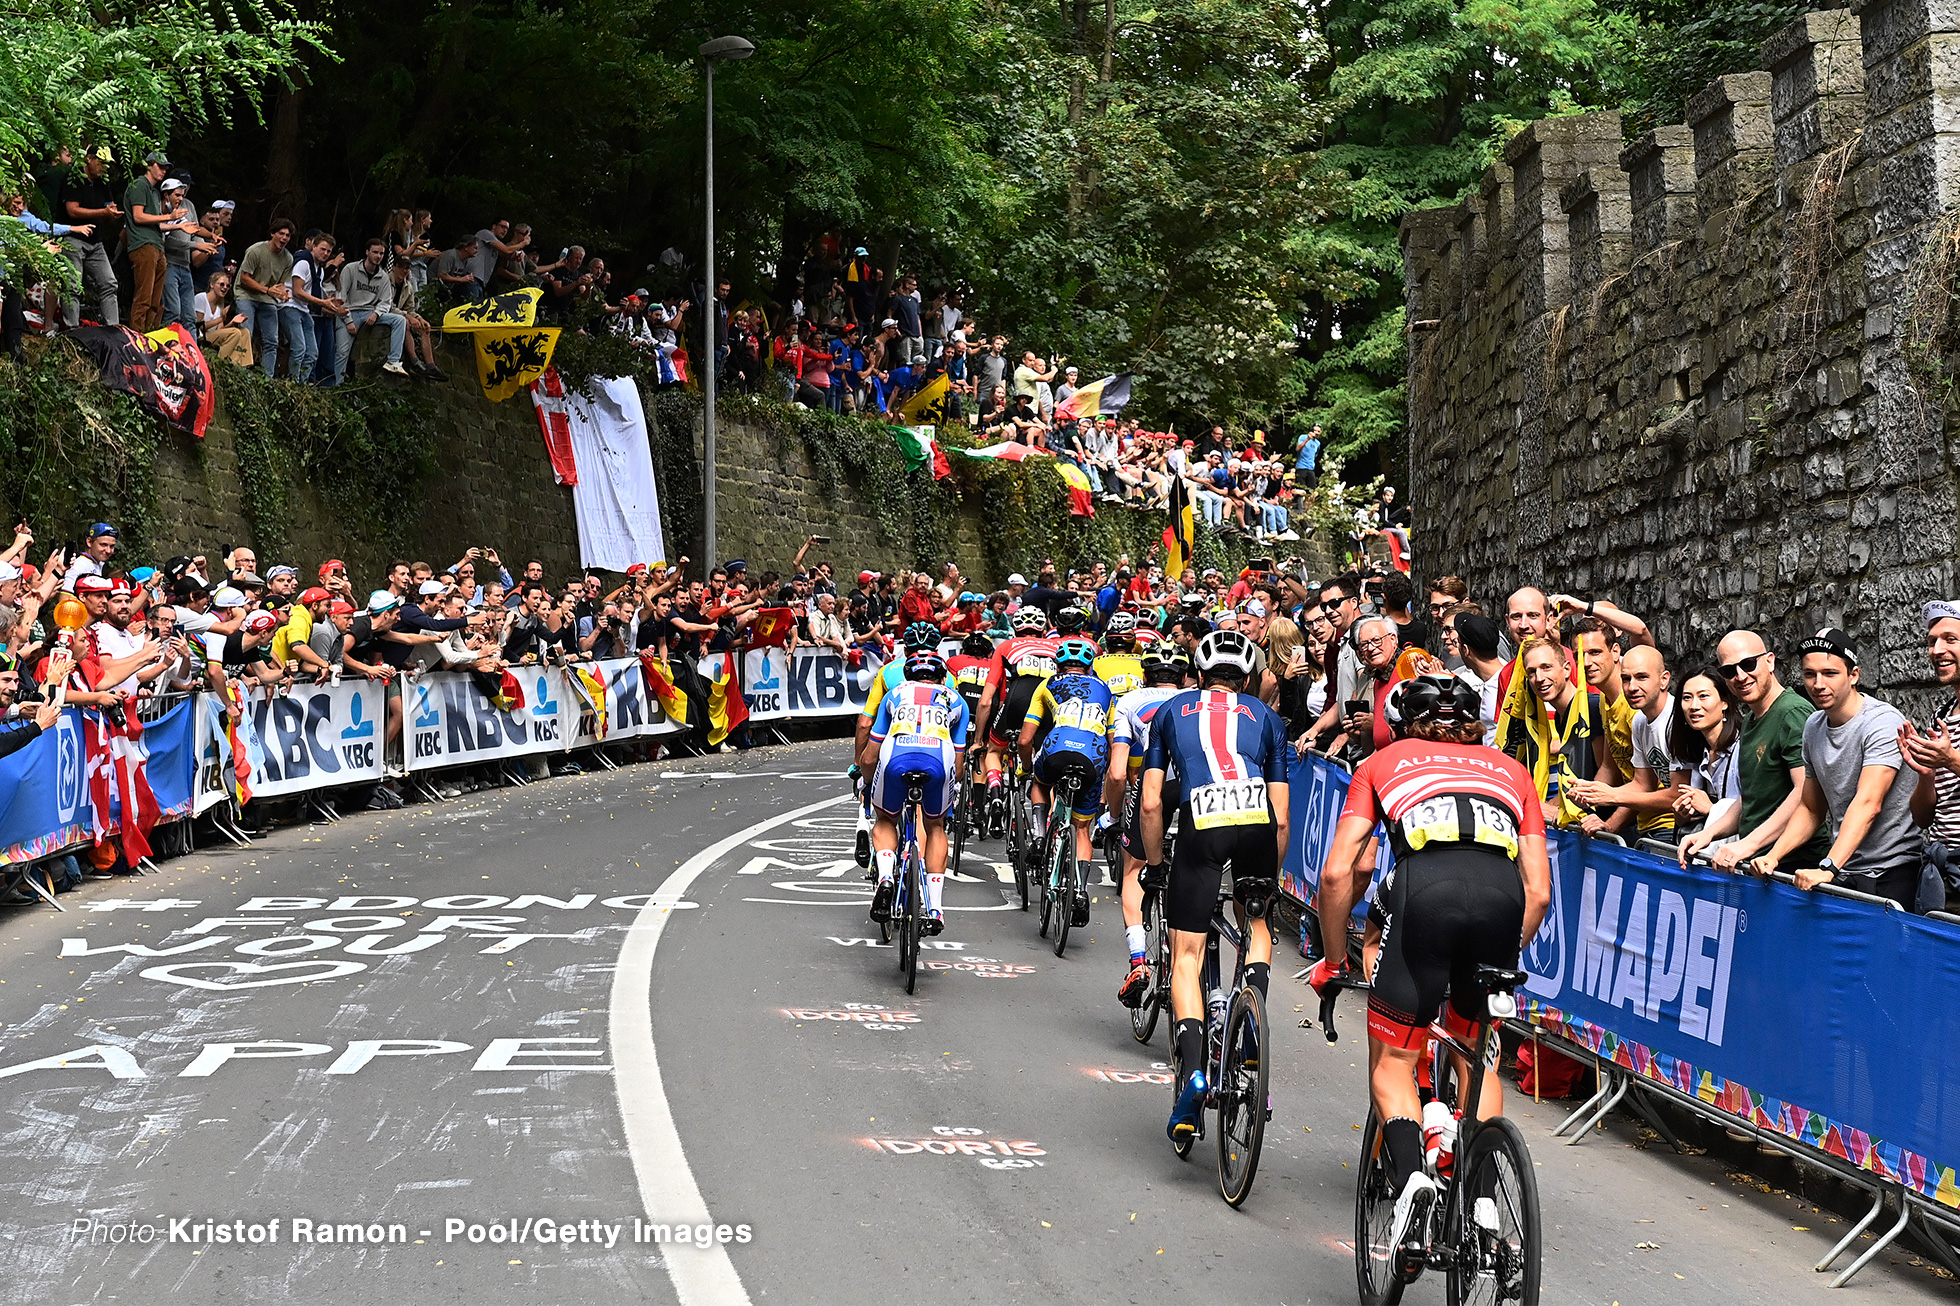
point(935, 765)
point(1198, 862)
point(1049, 768)
point(1133, 816)
point(1004, 731)
point(1447, 911)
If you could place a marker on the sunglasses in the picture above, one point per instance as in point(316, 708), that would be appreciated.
point(1742, 666)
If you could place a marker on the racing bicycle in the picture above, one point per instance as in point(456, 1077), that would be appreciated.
point(1059, 889)
point(1157, 947)
point(1483, 1231)
point(908, 913)
point(1235, 1056)
point(1021, 832)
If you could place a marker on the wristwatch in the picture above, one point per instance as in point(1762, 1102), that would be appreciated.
point(1829, 867)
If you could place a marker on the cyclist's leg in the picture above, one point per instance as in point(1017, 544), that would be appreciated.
point(1410, 976)
point(1490, 917)
point(938, 800)
point(1255, 857)
point(885, 793)
point(1196, 873)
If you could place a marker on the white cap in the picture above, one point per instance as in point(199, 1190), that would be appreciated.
point(228, 596)
point(1017, 579)
point(8, 571)
point(432, 587)
point(1254, 608)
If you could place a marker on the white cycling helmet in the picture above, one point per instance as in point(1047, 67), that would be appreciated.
point(1225, 650)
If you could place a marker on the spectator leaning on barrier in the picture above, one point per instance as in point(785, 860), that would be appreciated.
point(1851, 784)
point(1933, 755)
point(1648, 798)
point(1704, 743)
point(1769, 767)
point(1577, 739)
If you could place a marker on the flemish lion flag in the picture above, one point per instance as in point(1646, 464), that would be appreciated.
point(1104, 398)
point(1081, 494)
point(1180, 537)
point(508, 361)
point(928, 407)
point(514, 308)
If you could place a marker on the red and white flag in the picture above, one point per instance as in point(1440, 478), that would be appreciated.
point(120, 797)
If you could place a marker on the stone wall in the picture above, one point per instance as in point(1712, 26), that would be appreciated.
point(1673, 372)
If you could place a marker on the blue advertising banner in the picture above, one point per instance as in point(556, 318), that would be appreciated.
point(1316, 791)
point(1820, 1018)
point(45, 785)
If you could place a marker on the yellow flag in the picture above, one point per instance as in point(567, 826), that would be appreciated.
point(928, 407)
point(513, 308)
point(508, 361)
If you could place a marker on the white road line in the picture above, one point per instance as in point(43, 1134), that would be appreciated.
point(703, 1276)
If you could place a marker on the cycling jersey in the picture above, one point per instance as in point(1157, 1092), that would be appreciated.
point(1228, 749)
point(890, 677)
point(919, 727)
point(1134, 711)
point(1020, 666)
point(1455, 898)
point(969, 675)
point(1122, 672)
point(1072, 713)
point(1025, 655)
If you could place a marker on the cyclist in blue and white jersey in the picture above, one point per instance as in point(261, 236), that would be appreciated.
point(1165, 668)
point(919, 730)
point(920, 636)
point(1229, 752)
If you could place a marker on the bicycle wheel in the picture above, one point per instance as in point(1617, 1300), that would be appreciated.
point(1143, 1017)
point(1374, 1220)
point(960, 817)
point(1049, 843)
point(1498, 1256)
point(1017, 839)
point(1242, 1095)
point(910, 922)
point(1065, 887)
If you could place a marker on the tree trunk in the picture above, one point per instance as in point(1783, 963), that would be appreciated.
point(285, 180)
point(432, 120)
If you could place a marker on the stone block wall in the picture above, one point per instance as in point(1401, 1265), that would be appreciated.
point(1672, 372)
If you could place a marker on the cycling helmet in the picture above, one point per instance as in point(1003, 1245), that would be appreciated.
point(1226, 650)
point(1165, 661)
point(1436, 697)
point(1075, 652)
point(1031, 620)
point(925, 666)
point(921, 634)
point(1070, 619)
point(1122, 627)
point(968, 596)
point(977, 645)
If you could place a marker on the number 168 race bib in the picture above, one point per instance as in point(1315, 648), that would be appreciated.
point(1229, 802)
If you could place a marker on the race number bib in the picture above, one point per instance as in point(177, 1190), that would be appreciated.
point(1034, 665)
point(1081, 714)
point(1229, 802)
point(1436, 820)
point(928, 721)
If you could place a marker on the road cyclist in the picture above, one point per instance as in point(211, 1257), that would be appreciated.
point(1165, 668)
point(920, 636)
point(918, 737)
point(1065, 745)
point(1021, 664)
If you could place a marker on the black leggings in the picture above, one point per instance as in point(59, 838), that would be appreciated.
point(1198, 864)
point(1447, 912)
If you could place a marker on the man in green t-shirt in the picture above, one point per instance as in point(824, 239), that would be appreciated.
point(264, 287)
point(144, 236)
point(1770, 766)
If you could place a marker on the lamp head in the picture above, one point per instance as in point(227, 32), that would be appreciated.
point(726, 47)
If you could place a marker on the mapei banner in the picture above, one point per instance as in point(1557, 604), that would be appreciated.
point(1820, 1018)
point(46, 784)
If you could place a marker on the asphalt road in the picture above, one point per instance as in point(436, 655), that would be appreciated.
point(505, 1048)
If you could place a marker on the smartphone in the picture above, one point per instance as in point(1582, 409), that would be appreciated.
point(1356, 707)
point(820, 539)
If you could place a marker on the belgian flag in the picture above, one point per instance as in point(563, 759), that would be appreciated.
point(1104, 398)
point(1180, 537)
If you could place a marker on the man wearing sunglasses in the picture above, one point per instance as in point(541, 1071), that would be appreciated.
point(1771, 768)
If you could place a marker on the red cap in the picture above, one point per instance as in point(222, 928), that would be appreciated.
point(121, 585)
point(314, 595)
point(329, 565)
point(866, 577)
point(93, 584)
point(260, 622)
point(341, 608)
point(637, 569)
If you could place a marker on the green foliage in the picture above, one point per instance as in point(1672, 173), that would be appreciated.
point(73, 452)
point(1682, 47)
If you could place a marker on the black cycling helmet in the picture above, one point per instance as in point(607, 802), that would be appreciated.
point(1031, 620)
point(1076, 653)
point(921, 634)
point(1436, 697)
point(925, 666)
point(977, 645)
point(1226, 650)
point(1165, 663)
point(1070, 619)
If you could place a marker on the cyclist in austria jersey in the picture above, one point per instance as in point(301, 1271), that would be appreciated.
point(1021, 664)
point(1165, 668)
point(1229, 751)
point(1470, 883)
point(920, 637)
point(918, 735)
point(1067, 732)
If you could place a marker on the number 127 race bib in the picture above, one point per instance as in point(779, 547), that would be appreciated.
point(1230, 802)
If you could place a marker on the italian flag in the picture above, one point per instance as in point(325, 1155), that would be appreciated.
point(920, 449)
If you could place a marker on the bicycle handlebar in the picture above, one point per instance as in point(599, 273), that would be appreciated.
point(1328, 998)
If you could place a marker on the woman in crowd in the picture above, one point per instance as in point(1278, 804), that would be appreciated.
point(1702, 740)
point(220, 322)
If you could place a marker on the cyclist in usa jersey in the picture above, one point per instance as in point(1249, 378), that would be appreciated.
point(1229, 751)
point(1165, 668)
point(920, 733)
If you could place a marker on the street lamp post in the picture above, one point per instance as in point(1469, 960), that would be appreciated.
point(722, 47)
